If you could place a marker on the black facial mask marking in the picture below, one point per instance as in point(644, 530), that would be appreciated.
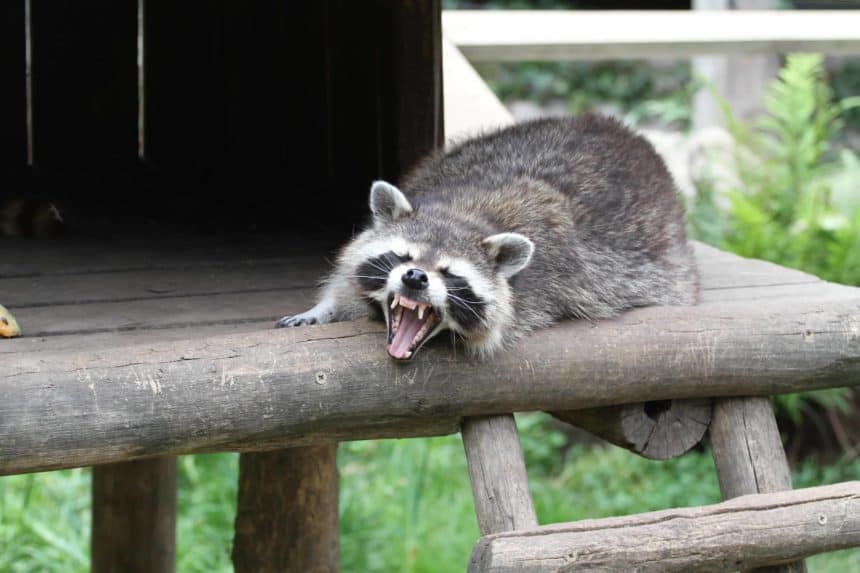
point(464, 306)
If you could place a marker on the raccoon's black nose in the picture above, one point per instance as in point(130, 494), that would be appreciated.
point(415, 279)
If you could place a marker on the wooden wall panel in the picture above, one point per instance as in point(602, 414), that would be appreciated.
point(183, 83)
point(84, 66)
point(13, 96)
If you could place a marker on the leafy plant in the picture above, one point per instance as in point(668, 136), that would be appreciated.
point(797, 201)
point(783, 210)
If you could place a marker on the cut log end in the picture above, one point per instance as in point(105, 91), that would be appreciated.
point(658, 430)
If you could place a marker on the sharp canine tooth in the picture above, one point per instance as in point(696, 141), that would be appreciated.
point(408, 354)
point(395, 302)
point(421, 308)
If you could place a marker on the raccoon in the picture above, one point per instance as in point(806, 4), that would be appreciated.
point(512, 231)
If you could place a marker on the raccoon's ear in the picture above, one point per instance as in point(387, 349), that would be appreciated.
point(511, 251)
point(387, 203)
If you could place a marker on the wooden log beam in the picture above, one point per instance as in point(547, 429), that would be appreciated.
point(749, 455)
point(134, 517)
point(658, 430)
point(553, 35)
point(500, 484)
point(292, 387)
point(287, 515)
point(749, 531)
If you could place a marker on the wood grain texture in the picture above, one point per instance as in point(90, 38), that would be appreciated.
point(287, 514)
point(154, 284)
point(160, 313)
point(749, 455)
point(747, 448)
point(234, 392)
point(748, 531)
point(500, 484)
point(134, 517)
point(658, 430)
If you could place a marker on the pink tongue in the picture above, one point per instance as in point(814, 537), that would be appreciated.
point(409, 327)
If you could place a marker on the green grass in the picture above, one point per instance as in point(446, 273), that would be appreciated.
point(406, 505)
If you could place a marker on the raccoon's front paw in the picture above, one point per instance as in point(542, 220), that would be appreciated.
point(297, 320)
point(320, 314)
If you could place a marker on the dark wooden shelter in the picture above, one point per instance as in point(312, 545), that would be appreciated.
point(186, 140)
point(257, 112)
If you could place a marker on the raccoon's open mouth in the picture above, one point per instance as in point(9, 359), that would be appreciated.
point(410, 325)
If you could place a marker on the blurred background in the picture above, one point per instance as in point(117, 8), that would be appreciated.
point(765, 151)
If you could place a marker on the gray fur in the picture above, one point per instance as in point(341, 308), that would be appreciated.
point(595, 200)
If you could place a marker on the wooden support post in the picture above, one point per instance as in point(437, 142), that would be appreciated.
point(749, 455)
point(497, 470)
point(287, 515)
point(658, 430)
point(134, 517)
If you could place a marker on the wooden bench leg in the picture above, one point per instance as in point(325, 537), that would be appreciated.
point(134, 517)
point(500, 484)
point(287, 515)
point(749, 455)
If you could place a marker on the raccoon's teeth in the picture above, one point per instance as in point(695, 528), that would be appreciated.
point(408, 354)
point(395, 302)
point(420, 335)
point(421, 308)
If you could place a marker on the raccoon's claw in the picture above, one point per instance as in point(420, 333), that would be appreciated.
point(298, 320)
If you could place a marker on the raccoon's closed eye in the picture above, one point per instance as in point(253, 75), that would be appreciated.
point(464, 306)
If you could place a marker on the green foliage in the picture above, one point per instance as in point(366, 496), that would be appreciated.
point(642, 92)
point(798, 201)
point(846, 83)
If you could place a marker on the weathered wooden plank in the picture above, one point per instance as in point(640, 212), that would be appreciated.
point(500, 484)
point(749, 531)
point(134, 517)
point(93, 343)
point(499, 36)
point(287, 514)
point(721, 270)
point(136, 285)
point(658, 430)
point(301, 386)
point(84, 113)
point(163, 313)
point(13, 96)
point(749, 455)
point(21, 258)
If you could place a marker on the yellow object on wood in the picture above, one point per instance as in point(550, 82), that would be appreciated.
point(8, 325)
